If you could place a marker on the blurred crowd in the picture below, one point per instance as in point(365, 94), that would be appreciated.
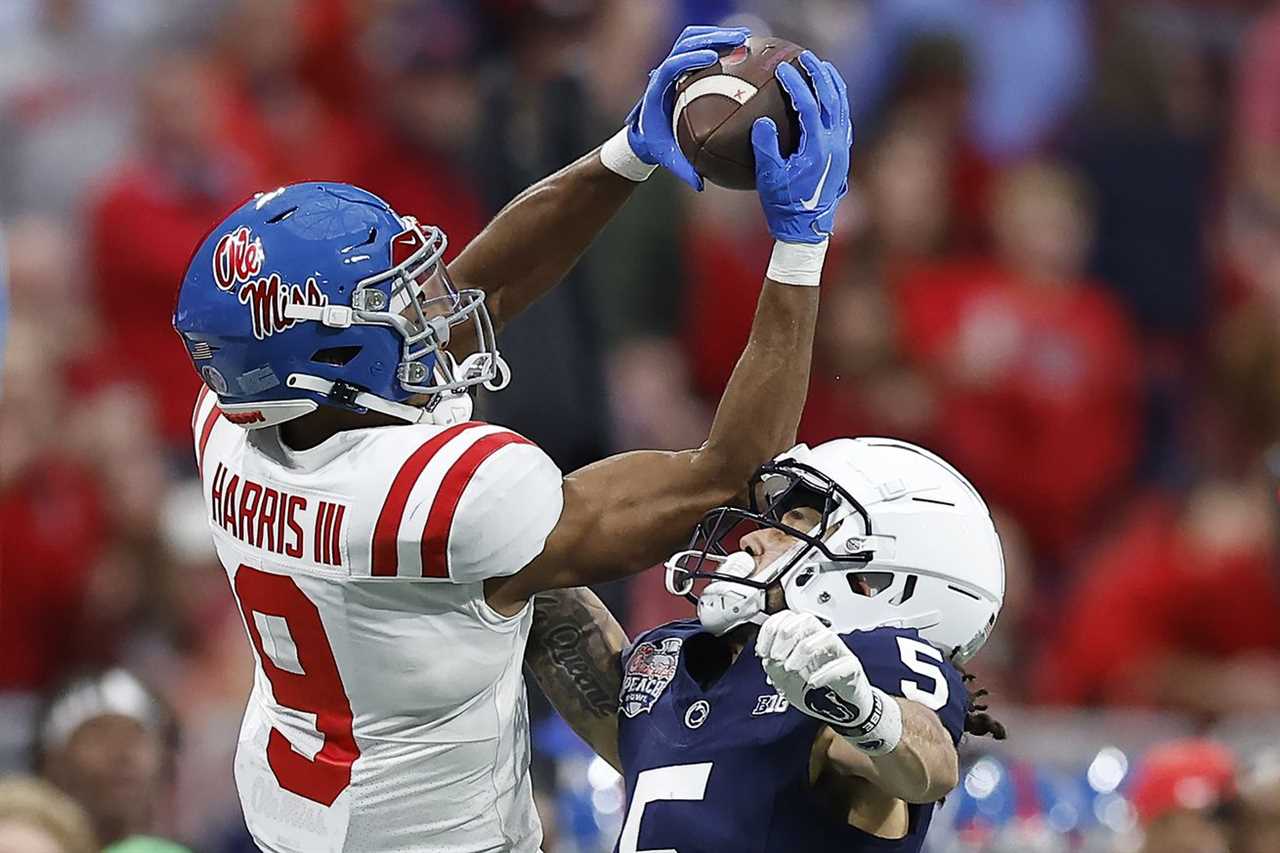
point(1059, 267)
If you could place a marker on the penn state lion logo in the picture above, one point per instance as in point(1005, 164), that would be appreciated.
point(827, 703)
point(649, 670)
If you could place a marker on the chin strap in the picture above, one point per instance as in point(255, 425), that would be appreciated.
point(448, 410)
point(333, 316)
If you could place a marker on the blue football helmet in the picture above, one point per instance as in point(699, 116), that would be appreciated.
point(320, 294)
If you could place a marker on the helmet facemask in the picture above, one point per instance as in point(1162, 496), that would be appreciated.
point(730, 598)
point(921, 554)
point(422, 304)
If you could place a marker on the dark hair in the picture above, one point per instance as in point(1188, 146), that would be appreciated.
point(976, 719)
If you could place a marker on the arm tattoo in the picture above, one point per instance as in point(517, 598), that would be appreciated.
point(574, 648)
point(574, 654)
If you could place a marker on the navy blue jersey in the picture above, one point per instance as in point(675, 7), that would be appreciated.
point(727, 768)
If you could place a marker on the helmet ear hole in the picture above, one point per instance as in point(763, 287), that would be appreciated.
point(335, 356)
point(869, 584)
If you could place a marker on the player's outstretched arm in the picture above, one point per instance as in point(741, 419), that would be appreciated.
point(574, 653)
point(537, 238)
point(627, 512)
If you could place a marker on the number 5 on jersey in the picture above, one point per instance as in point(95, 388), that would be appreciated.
point(916, 656)
point(678, 782)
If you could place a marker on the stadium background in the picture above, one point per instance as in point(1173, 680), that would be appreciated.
point(1059, 266)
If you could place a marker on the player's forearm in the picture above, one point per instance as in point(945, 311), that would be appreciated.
point(761, 406)
point(924, 767)
point(760, 409)
point(627, 512)
point(574, 654)
point(537, 238)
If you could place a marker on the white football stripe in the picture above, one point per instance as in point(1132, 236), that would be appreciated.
point(725, 85)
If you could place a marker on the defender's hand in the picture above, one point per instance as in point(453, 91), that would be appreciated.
point(649, 126)
point(815, 670)
point(800, 193)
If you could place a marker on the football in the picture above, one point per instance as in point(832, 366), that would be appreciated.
point(716, 106)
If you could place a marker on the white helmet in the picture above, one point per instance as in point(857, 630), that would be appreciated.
point(896, 519)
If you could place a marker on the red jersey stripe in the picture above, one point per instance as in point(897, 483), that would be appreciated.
point(435, 534)
point(384, 561)
point(195, 413)
point(335, 535)
point(319, 537)
point(209, 421)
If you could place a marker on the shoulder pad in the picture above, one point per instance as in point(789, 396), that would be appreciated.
point(470, 502)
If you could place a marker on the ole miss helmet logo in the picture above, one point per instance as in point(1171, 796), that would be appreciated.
point(269, 298)
point(237, 258)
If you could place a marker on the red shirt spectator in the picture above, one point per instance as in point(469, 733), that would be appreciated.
point(859, 384)
point(51, 533)
point(418, 184)
point(726, 272)
point(141, 236)
point(269, 58)
point(1038, 390)
point(1257, 111)
point(1036, 368)
point(145, 224)
point(295, 136)
point(1177, 609)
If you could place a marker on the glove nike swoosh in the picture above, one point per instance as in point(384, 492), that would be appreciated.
point(812, 202)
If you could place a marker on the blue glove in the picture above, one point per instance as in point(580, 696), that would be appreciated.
point(800, 193)
point(649, 126)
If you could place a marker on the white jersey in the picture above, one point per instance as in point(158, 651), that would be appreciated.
point(388, 708)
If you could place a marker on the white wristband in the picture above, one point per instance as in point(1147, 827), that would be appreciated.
point(881, 732)
point(797, 263)
point(617, 156)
